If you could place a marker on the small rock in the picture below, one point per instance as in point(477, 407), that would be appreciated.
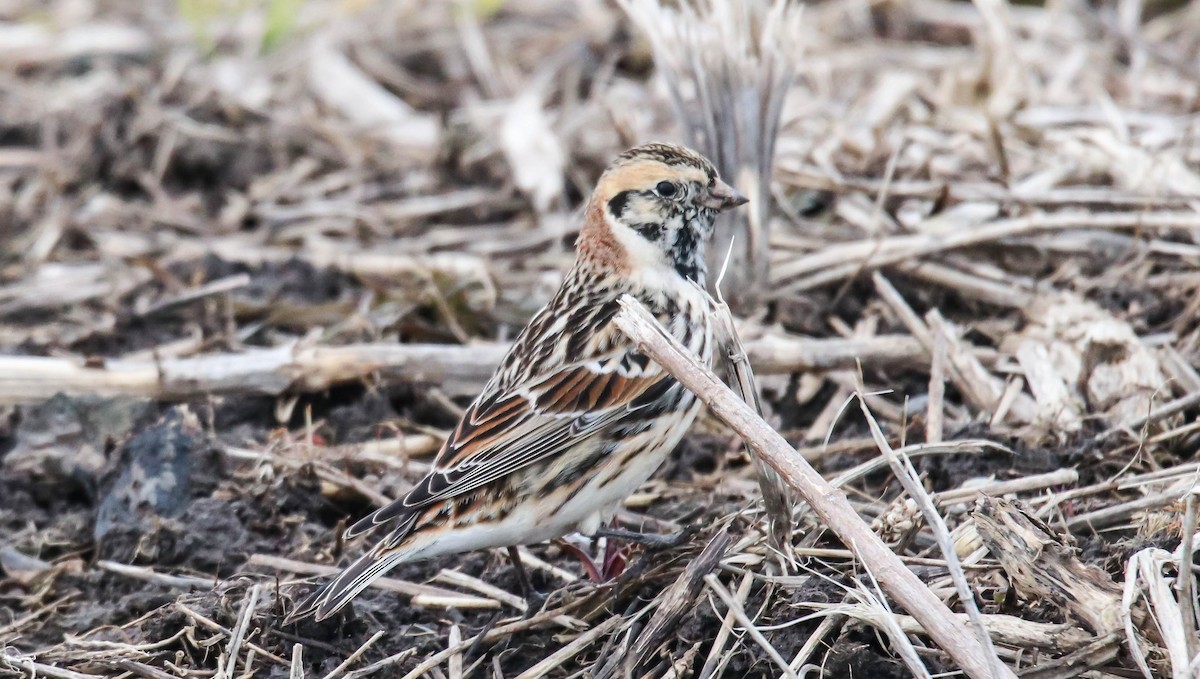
point(62, 441)
point(155, 480)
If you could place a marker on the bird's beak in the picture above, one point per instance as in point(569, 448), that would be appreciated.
point(723, 197)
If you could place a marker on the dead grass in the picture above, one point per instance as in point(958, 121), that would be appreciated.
point(284, 239)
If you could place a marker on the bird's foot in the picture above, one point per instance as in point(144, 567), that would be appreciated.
point(651, 540)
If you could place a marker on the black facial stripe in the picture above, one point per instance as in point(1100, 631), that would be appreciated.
point(651, 231)
point(616, 204)
point(685, 254)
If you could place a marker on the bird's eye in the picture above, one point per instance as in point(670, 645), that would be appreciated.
point(666, 189)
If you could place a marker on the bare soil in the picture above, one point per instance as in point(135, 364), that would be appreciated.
point(1003, 206)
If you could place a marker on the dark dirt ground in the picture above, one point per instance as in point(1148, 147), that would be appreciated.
point(132, 176)
point(231, 510)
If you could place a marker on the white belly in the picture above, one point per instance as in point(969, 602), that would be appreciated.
point(557, 515)
point(585, 509)
point(597, 501)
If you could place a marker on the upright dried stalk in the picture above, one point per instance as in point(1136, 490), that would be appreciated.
point(829, 503)
point(728, 65)
point(777, 498)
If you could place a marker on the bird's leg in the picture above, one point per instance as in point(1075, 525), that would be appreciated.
point(615, 559)
point(584, 558)
point(657, 540)
point(514, 556)
point(533, 599)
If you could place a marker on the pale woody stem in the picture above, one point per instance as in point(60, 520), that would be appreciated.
point(954, 637)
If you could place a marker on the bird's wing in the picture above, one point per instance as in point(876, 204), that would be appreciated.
point(505, 430)
point(510, 429)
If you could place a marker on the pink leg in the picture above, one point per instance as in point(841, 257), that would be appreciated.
point(588, 565)
point(615, 557)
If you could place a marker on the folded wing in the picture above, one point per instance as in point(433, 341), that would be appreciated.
point(507, 431)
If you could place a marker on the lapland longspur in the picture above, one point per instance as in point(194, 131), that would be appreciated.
point(574, 419)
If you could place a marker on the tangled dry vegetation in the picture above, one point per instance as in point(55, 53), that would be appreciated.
point(255, 255)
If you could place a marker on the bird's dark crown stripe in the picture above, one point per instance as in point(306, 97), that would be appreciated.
point(669, 155)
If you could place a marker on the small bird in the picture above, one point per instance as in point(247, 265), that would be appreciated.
point(575, 418)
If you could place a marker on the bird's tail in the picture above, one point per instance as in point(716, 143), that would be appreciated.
point(333, 595)
point(393, 549)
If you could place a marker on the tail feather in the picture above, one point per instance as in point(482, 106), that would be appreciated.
point(385, 514)
point(399, 518)
point(335, 594)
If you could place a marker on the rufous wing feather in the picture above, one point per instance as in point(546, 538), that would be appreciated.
point(498, 435)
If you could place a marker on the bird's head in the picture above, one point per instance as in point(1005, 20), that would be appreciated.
point(653, 211)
